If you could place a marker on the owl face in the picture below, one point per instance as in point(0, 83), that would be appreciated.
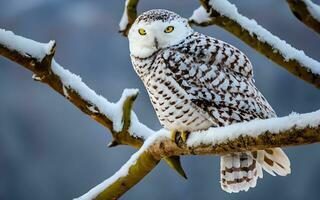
point(155, 30)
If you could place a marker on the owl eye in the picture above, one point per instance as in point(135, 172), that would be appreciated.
point(142, 31)
point(169, 29)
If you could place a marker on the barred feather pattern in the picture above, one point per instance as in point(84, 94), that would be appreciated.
point(240, 171)
point(203, 82)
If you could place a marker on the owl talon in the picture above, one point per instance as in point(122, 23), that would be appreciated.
point(179, 137)
point(184, 136)
point(174, 136)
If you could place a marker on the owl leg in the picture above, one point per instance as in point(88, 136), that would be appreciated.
point(179, 136)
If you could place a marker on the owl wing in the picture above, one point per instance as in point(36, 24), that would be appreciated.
point(218, 79)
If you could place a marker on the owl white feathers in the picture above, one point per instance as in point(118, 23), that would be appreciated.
point(195, 82)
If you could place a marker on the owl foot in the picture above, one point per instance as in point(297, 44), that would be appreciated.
point(179, 137)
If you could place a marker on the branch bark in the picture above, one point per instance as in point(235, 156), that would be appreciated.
point(301, 9)
point(128, 16)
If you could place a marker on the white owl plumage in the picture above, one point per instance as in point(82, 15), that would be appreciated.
point(195, 82)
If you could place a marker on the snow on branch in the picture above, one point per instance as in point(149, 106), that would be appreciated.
point(134, 170)
point(289, 125)
point(128, 16)
point(124, 124)
point(24, 46)
point(38, 57)
point(126, 129)
point(226, 15)
point(307, 12)
point(291, 130)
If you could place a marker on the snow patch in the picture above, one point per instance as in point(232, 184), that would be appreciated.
point(314, 9)
point(117, 117)
point(26, 47)
point(65, 91)
point(124, 19)
point(200, 15)
point(139, 129)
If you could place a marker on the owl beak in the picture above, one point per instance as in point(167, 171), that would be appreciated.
point(156, 43)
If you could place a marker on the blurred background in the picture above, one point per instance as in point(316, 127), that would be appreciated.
point(50, 150)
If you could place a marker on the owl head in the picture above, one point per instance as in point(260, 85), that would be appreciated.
point(157, 29)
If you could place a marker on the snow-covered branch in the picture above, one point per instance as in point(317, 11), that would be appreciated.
point(307, 12)
point(291, 130)
point(38, 57)
point(117, 117)
point(134, 170)
point(226, 15)
point(124, 125)
point(128, 16)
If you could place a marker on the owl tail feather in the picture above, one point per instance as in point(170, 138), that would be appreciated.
point(240, 171)
point(174, 163)
point(274, 161)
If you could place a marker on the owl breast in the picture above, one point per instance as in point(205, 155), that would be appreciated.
point(200, 83)
point(171, 103)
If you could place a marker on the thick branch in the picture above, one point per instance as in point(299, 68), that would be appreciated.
point(128, 16)
point(292, 130)
point(225, 15)
point(307, 12)
point(139, 165)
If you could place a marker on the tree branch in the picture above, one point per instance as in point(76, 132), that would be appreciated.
point(286, 131)
point(38, 58)
point(125, 127)
point(136, 168)
point(225, 15)
point(128, 16)
point(307, 12)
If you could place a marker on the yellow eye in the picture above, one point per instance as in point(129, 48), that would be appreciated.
point(142, 31)
point(169, 29)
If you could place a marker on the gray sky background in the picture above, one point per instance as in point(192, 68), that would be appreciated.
point(50, 150)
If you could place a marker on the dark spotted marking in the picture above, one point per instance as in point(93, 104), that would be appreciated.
point(158, 15)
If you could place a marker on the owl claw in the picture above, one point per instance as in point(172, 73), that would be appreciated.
point(179, 137)
point(184, 136)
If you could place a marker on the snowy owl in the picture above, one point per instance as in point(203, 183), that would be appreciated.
point(195, 82)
